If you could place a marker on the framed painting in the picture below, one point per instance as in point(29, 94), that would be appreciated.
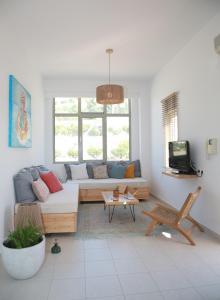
point(20, 127)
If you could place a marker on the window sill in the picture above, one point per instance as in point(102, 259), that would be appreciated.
point(179, 176)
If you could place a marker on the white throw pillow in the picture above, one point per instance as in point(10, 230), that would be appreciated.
point(79, 171)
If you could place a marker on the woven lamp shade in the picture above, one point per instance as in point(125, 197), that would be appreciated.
point(109, 94)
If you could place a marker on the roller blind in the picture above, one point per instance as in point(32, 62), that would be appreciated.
point(170, 121)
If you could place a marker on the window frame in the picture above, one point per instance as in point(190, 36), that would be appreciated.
point(103, 115)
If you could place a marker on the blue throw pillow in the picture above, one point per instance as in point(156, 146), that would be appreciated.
point(117, 171)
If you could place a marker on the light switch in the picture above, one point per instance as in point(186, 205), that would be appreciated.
point(212, 146)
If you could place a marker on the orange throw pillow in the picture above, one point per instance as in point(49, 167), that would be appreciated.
point(129, 173)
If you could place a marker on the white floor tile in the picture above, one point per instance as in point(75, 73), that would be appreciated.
point(95, 244)
point(129, 266)
point(157, 262)
point(50, 259)
point(215, 268)
point(209, 292)
point(70, 255)
point(100, 268)
point(201, 276)
point(68, 289)
point(98, 254)
point(7, 286)
point(97, 287)
point(108, 298)
point(146, 296)
point(182, 294)
point(137, 283)
point(123, 252)
point(31, 289)
point(45, 272)
point(168, 280)
point(71, 270)
point(186, 259)
point(151, 268)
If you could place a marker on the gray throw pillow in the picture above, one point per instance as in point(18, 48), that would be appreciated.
point(137, 168)
point(23, 187)
point(68, 170)
point(42, 169)
point(34, 172)
point(100, 172)
point(90, 166)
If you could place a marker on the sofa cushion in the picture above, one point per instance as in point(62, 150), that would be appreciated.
point(109, 183)
point(100, 172)
point(129, 172)
point(31, 170)
point(34, 172)
point(137, 166)
point(23, 187)
point(68, 171)
point(65, 201)
point(117, 171)
point(40, 189)
point(51, 181)
point(89, 167)
point(79, 171)
point(42, 168)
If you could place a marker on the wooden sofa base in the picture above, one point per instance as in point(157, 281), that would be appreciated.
point(91, 195)
point(66, 222)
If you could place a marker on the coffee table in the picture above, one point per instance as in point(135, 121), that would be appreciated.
point(122, 200)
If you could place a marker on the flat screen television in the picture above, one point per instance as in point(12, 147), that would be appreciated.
point(179, 157)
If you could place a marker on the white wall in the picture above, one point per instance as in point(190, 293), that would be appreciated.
point(140, 113)
point(195, 73)
point(13, 61)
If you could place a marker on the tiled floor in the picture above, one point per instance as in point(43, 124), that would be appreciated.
point(123, 268)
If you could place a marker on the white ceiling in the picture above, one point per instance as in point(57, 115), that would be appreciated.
point(69, 37)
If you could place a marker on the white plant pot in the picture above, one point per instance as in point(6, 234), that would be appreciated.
point(23, 263)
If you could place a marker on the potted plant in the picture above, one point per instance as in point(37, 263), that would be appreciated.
point(23, 252)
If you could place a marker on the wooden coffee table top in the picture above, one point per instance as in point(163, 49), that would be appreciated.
point(122, 199)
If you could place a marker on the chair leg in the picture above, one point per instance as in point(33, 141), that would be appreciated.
point(150, 227)
point(194, 222)
point(186, 235)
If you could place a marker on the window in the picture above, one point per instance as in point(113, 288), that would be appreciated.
point(85, 130)
point(170, 121)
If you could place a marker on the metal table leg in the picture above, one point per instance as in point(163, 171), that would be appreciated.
point(132, 212)
point(110, 214)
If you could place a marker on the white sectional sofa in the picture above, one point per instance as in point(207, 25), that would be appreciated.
point(59, 212)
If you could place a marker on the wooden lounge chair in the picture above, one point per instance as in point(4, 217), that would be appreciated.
point(162, 214)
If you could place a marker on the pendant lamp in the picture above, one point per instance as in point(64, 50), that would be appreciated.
point(109, 93)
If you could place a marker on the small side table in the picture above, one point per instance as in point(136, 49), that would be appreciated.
point(123, 200)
